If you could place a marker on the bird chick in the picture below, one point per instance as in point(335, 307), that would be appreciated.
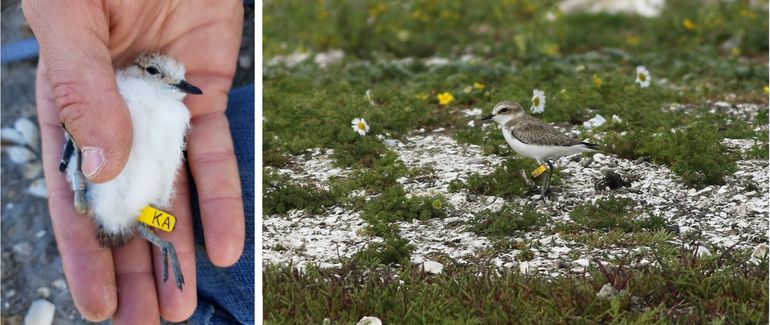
point(153, 88)
point(532, 138)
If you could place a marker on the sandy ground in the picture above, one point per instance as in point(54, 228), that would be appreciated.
point(31, 265)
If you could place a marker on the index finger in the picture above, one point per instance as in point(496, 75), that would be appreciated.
point(87, 266)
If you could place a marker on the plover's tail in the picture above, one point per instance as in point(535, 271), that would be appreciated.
point(591, 146)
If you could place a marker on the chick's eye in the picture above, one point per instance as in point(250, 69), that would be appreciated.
point(152, 70)
point(504, 110)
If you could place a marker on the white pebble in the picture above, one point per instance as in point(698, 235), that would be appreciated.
point(38, 188)
point(524, 267)
point(702, 251)
point(40, 313)
point(30, 132)
point(597, 121)
point(295, 243)
point(390, 143)
point(60, 284)
point(369, 320)
point(607, 291)
point(43, 292)
point(432, 267)
point(582, 262)
point(23, 248)
point(759, 254)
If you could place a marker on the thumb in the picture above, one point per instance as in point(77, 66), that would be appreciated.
point(75, 60)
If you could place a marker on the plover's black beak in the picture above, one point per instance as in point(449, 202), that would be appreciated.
point(488, 117)
point(186, 87)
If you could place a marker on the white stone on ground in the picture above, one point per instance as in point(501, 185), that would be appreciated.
point(607, 291)
point(40, 312)
point(759, 254)
point(432, 267)
point(369, 320)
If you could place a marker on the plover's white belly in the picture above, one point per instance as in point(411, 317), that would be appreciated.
point(538, 152)
point(160, 124)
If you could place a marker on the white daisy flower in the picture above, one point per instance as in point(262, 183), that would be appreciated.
point(538, 101)
point(642, 76)
point(360, 126)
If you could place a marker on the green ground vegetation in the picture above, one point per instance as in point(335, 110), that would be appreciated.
point(683, 289)
point(510, 220)
point(512, 178)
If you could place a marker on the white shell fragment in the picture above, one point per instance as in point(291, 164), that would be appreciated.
point(597, 121)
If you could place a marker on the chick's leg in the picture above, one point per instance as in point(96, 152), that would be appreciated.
point(167, 251)
point(547, 180)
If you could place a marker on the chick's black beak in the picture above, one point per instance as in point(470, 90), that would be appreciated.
point(186, 87)
point(488, 117)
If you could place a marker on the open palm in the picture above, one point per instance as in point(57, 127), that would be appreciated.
point(80, 44)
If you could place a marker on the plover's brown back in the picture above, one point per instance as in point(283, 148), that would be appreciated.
point(530, 130)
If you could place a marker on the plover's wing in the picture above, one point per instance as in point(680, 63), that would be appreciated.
point(69, 149)
point(531, 131)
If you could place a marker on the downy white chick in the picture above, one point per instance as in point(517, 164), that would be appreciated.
point(153, 88)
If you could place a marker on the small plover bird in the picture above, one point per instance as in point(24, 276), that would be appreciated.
point(153, 88)
point(532, 138)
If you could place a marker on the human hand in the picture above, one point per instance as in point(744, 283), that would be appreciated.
point(80, 44)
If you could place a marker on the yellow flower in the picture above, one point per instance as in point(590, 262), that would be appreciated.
point(748, 14)
point(445, 98)
point(377, 9)
point(551, 49)
point(735, 51)
point(478, 85)
point(597, 81)
point(437, 204)
point(632, 40)
point(468, 89)
point(688, 24)
point(766, 89)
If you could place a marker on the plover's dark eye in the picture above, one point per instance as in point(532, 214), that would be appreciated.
point(152, 70)
point(505, 109)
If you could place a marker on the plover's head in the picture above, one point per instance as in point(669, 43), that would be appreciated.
point(505, 111)
point(167, 71)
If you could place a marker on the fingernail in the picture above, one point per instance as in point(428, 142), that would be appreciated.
point(93, 160)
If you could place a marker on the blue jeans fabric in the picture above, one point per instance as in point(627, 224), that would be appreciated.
point(226, 295)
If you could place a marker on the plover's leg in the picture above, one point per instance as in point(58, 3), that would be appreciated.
point(168, 253)
point(70, 163)
point(547, 179)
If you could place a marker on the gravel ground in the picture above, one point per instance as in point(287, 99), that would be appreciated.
point(733, 214)
point(31, 265)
